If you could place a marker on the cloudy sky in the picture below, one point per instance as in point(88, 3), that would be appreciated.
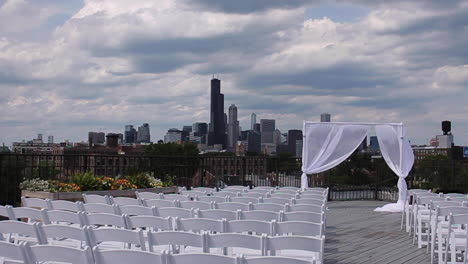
point(69, 67)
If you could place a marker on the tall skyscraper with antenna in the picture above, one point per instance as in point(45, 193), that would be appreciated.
point(217, 130)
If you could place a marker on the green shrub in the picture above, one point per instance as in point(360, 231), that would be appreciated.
point(36, 185)
point(86, 181)
point(141, 180)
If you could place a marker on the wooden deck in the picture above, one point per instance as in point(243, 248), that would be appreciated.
point(357, 234)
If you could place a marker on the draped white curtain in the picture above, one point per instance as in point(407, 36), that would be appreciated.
point(328, 144)
point(399, 156)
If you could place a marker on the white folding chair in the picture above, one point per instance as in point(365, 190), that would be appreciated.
point(148, 195)
point(147, 222)
point(204, 189)
point(106, 238)
point(30, 214)
point(125, 256)
point(226, 194)
point(250, 226)
point(274, 260)
point(35, 203)
point(195, 193)
point(310, 201)
point(212, 199)
point(268, 188)
point(312, 196)
point(218, 214)
point(230, 206)
point(196, 205)
point(192, 258)
point(21, 231)
point(103, 219)
point(230, 243)
point(296, 246)
point(101, 208)
point(174, 197)
point(457, 245)
point(137, 210)
point(270, 207)
point(5, 211)
point(260, 215)
point(160, 203)
point(93, 198)
point(48, 253)
point(175, 212)
point(287, 192)
point(422, 219)
point(303, 216)
point(254, 195)
point(66, 205)
point(284, 195)
point(199, 224)
point(306, 208)
point(12, 253)
point(246, 200)
point(177, 240)
point(278, 200)
point(66, 217)
point(125, 201)
point(298, 228)
point(64, 235)
point(235, 187)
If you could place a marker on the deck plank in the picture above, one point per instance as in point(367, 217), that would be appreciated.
point(357, 234)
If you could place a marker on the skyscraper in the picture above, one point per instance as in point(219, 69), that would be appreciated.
point(267, 126)
point(217, 132)
point(130, 134)
point(253, 120)
point(144, 134)
point(50, 139)
point(233, 127)
point(293, 136)
point(325, 117)
point(96, 138)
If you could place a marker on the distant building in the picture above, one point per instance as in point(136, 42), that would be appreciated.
point(233, 128)
point(50, 139)
point(269, 149)
point(143, 135)
point(173, 135)
point(130, 135)
point(299, 148)
point(256, 127)
point(363, 145)
point(293, 136)
point(39, 138)
point(325, 117)
point(253, 141)
point(267, 126)
point(253, 121)
point(374, 143)
point(32, 148)
point(276, 137)
point(200, 130)
point(96, 138)
point(217, 129)
point(445, 141)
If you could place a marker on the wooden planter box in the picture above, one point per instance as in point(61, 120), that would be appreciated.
point(78, 196)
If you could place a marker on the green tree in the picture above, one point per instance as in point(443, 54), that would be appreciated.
point(435, 171)
point(172, 149)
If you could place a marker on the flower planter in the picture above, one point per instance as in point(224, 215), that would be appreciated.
point(78, 196)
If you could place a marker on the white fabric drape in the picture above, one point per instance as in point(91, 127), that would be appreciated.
point(327, 145)
point(399, 156)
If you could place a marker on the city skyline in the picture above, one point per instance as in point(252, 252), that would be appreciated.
point(70, 67)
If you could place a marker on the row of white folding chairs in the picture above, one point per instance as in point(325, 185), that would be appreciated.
point(24, 253)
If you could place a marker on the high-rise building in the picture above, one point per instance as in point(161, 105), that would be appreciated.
point(293, 136)
point(50, 139)
point(95, 138)
point(299, 144)
point(186, 130)
point(130, 135)
point(217, 131)
point(200, 130)
point(143, 135)
point(267, 126)
point(233, 127)
point(173, 135)
point(325, 117)
point(253, 121)
point(256, 127)
point(276, 137)
point(374, 143)
point(253, 141)
point(39, 138)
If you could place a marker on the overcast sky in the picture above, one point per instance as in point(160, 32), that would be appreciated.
point(69, 67)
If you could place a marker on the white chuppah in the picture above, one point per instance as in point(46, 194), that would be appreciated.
point(328, 144)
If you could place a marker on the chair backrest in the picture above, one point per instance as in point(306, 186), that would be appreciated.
point(246, 200)
point(254, 195)
point(12, 252)
point(455, 210)
point(103, 219)
point(137, 210)
point(426, 200)
point(201, 258)
point(226, 194)
point(287, 192)
point(46, 253)
point(312, 196)
point(236, 240)
point(289, 188)
point(35, 203)
point(123, 256)
point(269, 188)
point(453, 195)
point(259, 191)
point(235, 187)
point(278, 200)
point(94, 198)
point(212, 199)
point(434, 204)
point(298, 228)
point(306, 208)
point(101, 208)
point(66, 205)
point(161, 203)
point(260, 215)
point(196, 205)
point(199, 224)
point(173, 197)
point(5, 211)
point(310, 201)
point(176, 238)
point(269, 207)
point(175, 212)
point(303, 243)
point(67, 217)
point(459, 222)
point(274, 260)
point(150, 222)
point(230, 206)
point(53, 231)
point(284, 195)
point(195, 193)
point(132, 237)
point(31, 214)
point(125, 201)
point(203, 189)
point(459, 199)
point(148, 195)
point(254, 226)
point(21, 228)
point(303, 216)
point(218, 214)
